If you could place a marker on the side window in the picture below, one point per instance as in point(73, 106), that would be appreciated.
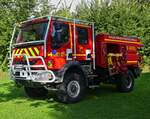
point(60, 34)
point(82, 35)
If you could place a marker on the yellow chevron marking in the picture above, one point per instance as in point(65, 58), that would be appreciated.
point(21, 51)
point(26, 51)
point(17, 51)
point(31, 51)
point(50, 54)
point(36, 50)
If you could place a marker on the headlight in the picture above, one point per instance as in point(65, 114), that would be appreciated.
point(44, 76)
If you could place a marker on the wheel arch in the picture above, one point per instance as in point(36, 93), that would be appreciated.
point(74, 66)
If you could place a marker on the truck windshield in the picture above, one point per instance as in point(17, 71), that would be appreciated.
point(31, 32)
point(60, 34)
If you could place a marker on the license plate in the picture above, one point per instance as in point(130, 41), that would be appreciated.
point(23, 73)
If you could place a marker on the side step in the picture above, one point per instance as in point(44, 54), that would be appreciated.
point(92, 76)
point(94, 86)
point(93, 81)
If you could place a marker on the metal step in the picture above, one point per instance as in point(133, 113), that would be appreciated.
point(89, 76)
point(94, 86)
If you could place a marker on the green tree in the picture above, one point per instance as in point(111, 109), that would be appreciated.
point(64, 10)
point(12, 11)
point(122, 17)
point(44, 8)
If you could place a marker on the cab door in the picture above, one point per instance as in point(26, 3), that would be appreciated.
point(83, 43)
point(58, 44)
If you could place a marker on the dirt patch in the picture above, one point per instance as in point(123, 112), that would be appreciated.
point(3, 75)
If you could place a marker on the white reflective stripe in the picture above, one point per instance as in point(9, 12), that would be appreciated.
point(88, 52)
point(68, 52)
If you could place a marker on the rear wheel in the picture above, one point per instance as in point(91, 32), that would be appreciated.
point(125, 83)
point(72, 89)
point(36, 92)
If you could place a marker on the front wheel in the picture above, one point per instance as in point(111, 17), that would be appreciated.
point(72, 89)
point(125, 83)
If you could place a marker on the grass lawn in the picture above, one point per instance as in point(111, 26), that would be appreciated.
point(102, 103)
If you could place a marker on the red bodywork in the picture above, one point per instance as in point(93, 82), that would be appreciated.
point(55, 61)
point(126, 47)
point(104, 44)
point(58, 60)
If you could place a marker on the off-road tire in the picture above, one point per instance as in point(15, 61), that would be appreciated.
point(39, 92)
point(125, 83)
point(65, 92)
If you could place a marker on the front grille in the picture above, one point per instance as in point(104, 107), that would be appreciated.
point(17, 74)
point(19, 61)
point(19, 68)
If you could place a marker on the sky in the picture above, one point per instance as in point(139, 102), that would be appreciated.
point(75, 2)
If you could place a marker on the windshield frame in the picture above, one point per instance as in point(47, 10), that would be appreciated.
point(34, 41)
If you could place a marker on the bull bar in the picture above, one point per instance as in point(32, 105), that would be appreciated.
point(25, 72)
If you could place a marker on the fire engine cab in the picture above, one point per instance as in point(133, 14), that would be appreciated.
point(65, 55)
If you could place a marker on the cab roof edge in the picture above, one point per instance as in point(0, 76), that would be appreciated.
point(34, 19)
point(57, 17)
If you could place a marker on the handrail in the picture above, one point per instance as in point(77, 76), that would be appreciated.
point(115, 54)
point(10, 46)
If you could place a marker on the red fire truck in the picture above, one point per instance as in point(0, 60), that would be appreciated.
point(64, 55)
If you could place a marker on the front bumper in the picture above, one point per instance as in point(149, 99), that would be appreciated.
point(41, 76)
point(32, 73)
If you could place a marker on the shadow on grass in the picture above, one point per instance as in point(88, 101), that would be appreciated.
point(8, 91)
point(104, 102)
